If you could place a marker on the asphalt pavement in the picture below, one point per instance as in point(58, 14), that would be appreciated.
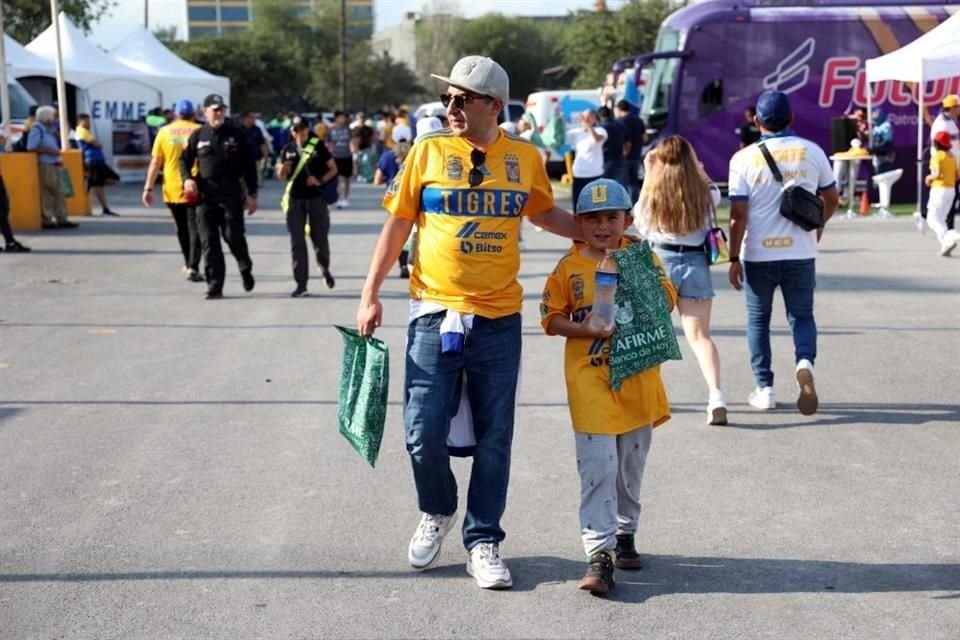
point(170, 467)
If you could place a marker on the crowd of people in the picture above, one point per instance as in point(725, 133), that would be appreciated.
point(457, 191)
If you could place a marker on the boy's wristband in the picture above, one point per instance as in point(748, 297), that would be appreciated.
point(734, 259)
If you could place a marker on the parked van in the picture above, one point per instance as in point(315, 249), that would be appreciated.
point(714, 58)
point(570, 102)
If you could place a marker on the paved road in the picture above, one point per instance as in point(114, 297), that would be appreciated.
point(171, 467)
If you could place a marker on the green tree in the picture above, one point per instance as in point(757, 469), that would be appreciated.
point(437, 35)
point(594, 40)
point(373, 81)
point(166, 35)
point(265, 70)
point(24, 20)
point(517, 44)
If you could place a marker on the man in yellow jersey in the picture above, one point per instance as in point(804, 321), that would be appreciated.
point(467, 188)
point(167, 148)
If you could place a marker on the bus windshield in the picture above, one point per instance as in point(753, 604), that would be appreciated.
point(656, 101)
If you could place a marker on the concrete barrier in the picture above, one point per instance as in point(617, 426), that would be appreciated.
point(22, 179)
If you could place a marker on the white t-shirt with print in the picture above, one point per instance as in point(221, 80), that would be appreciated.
point(769, 236)
point(943, 123)
point(695, 239)
point(588, 163)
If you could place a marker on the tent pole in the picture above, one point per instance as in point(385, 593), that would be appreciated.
point(4, 89)
point(61, 87)
point(920, 92)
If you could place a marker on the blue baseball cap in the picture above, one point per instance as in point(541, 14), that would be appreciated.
point(184, 108)
point(603, 194)
point(773, 109)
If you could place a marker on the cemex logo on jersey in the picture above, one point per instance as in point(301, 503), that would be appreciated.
point(471, 230)
point(793, 71)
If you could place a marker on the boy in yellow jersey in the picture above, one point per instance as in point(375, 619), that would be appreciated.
point(612, 428)
point(468, 189)
point(942, 182)
point(167, 147)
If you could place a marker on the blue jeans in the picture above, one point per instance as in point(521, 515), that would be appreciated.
point(491, 362)
point(796, 279)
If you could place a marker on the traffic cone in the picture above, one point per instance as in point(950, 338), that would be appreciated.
point(864, 204)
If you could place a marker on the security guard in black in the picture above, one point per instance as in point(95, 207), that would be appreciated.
point(222, 157)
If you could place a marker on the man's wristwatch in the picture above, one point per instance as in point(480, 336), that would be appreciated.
point(734, 259)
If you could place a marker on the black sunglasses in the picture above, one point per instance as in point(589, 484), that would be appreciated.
point(475, 176)
point(460, 99)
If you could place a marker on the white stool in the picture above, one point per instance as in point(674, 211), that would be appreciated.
point(885, 182)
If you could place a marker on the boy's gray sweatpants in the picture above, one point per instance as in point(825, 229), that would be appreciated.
point(611, 471)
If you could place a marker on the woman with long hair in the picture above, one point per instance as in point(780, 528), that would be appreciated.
point(673, 214)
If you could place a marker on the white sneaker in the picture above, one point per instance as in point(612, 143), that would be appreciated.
point(807, 402)
point(344, 203)
point(425, 545)
point(919, 221)
point(339, 204)
point(716, 409)
point(487, 568)
point(763, 398)
point(947, 247)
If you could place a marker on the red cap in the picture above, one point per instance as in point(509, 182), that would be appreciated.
point(943, 139)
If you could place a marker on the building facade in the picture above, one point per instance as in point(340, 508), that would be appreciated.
point(217, 17)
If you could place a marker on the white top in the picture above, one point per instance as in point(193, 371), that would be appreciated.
point(695, 239)
point(943, 123)
point(588, 163)
point(769, 236)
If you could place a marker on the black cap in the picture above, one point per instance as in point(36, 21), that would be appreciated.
point(214, 100)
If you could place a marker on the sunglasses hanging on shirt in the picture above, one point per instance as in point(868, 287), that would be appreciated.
point(477, 158)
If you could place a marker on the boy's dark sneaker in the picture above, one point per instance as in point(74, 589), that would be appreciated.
point(212, 295)
point(16, 247)
point(248, 281)
point(299, 292)
point(328, 280)
point(627, 556)
point(599, 576)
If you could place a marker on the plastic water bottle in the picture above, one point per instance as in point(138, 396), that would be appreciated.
point(604, 289)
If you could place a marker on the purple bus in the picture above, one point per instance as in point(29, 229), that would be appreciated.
point(713, 59)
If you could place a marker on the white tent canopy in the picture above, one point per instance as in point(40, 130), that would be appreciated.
point(175, 77)
point(116, 96)
point(84, 64)
point(23, 63)
point(933, 56)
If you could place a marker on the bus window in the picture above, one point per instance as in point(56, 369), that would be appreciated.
point(712, 97)
point(656, 101)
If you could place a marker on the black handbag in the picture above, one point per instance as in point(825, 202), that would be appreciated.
point(798, 205)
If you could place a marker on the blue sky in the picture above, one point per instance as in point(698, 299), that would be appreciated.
point(128, 14)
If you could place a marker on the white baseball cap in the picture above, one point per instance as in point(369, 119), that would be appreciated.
point(428, 125)
point(402, 132)
point(479, 75)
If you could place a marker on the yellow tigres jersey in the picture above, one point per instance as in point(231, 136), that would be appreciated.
point(594, 408)
point(468, 251)
point(168, 145)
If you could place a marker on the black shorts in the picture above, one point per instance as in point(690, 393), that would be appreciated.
point(344, 167)
point(99, 173)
